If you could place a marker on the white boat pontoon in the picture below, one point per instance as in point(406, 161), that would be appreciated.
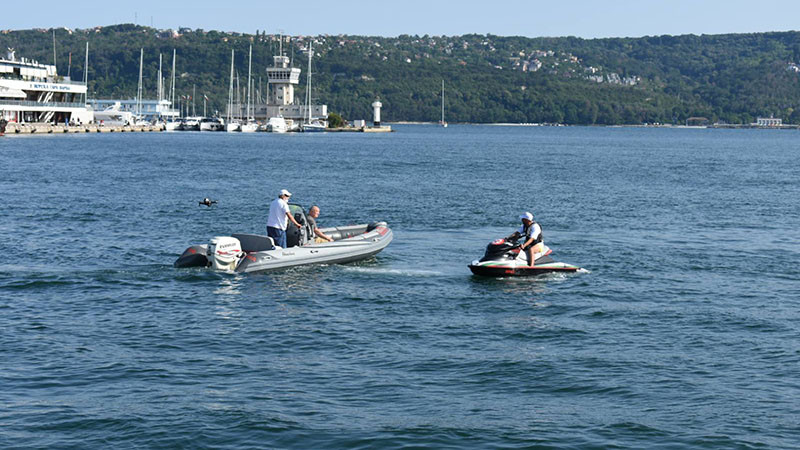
point(244, 253)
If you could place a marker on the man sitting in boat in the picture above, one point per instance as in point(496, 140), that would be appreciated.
point(532, 233)
point(319, 236)
point(279, 215)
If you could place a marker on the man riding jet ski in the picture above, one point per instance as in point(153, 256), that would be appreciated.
point(508, 257)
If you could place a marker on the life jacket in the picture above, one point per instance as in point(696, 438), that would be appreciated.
point(526, 231)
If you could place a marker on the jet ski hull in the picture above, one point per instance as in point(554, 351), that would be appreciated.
point(504, 270)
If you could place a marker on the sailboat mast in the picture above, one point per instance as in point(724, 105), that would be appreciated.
point(160, 84)
point(308, 87)
point(86, 73)
point(443, 101)
point(238, 95)
point(139, 90)
point(230, 92)
point(172, 90)
point(249, 66)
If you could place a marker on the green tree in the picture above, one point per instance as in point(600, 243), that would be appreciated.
point(335, 120)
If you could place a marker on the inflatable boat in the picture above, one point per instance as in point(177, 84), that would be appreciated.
point(245, 253)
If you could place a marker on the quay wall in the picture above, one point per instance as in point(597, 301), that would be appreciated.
point(44, 128)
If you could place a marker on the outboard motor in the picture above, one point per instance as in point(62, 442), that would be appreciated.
point(501, 249)
point(224, 253)
point(297, 236)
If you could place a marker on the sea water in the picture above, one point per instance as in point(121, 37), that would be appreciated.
point(682, 332)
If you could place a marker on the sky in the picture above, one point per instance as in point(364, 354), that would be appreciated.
point(534, 18)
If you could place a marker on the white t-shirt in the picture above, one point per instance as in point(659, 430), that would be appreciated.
point(277, 214)
point(535, 231)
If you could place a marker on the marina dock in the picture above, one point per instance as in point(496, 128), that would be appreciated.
point(44, 128)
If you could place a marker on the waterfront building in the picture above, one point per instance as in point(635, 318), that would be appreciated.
point(31, 92)
point(769, 122)
point(281, 101)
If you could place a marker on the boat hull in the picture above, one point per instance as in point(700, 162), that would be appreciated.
point(351, 246)
point(249, 127)
point(497, 271)
point(337, 252)
point(211, 126)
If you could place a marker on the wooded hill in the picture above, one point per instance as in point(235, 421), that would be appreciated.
point(730, 78)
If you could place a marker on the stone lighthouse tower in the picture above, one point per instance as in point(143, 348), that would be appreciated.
point(376, 111)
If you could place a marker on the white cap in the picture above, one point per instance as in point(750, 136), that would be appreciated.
point(285, 192)
point(526, 215)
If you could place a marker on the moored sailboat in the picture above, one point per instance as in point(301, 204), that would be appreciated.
point(250, 125)
point(231, 125)
point(311, 125)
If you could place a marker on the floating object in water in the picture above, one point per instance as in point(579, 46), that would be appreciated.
point(208, 202)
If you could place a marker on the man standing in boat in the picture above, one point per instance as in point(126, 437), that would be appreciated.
point(279, 215)
point(532, 233)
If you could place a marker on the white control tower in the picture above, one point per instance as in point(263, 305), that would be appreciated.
point(282, 80)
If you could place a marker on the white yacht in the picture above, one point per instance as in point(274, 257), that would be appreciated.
point(172, 125)
point(114, 115)
point(276, 125)
point(249, 127)
point(191, 123)
point(212, 124)
point(31, 92)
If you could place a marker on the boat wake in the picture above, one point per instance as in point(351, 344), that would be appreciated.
point(399, 272)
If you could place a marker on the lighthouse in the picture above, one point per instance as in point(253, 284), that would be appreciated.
point(376, 111)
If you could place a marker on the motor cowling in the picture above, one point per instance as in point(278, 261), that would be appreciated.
point(224, 253)
point(501, 249)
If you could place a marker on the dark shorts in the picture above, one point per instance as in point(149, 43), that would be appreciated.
point(278, 236)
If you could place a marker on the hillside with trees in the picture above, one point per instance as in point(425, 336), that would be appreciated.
point(660, 79)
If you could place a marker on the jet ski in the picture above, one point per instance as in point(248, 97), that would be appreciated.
point(245, 253)
point(504, 258)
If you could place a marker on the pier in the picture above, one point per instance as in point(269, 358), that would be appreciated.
point(44, 128)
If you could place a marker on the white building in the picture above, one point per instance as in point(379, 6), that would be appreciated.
point(281, 99)
point(768, 122)
point(31, 92)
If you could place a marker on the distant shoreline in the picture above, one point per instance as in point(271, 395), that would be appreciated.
point(692, 127)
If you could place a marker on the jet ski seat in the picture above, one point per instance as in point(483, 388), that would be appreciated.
point(255, 242)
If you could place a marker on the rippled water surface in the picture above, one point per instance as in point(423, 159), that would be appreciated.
point(684, 331)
